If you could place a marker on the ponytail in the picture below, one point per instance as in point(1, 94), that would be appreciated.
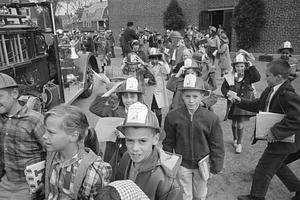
point(91, 141)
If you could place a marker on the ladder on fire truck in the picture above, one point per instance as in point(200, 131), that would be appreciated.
point(12, 44)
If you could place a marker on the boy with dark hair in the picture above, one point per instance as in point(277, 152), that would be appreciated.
point(194, 132)
point(279, 97)
point(20, 142)
point(152, 169)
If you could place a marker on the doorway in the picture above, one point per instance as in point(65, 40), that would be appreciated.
point(215, 18)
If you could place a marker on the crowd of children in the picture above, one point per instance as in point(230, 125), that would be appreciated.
point(141, 164)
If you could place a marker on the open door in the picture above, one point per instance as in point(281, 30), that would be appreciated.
point(204, 20)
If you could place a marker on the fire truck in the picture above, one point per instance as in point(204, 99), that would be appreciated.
point(46, 69)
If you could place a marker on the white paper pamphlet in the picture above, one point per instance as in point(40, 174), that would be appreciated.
point(229, 78)
point(204, 167)
point(34, 174)
point(265, 121)
point(106, 129)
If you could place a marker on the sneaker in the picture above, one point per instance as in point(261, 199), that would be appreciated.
point(238, 148)
point(249, 197)
point(235, 143)
point(297, 196)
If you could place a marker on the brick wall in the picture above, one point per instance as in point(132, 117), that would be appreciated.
point(283, 18)
point(283, 23)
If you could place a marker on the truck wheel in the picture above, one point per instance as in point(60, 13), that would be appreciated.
point(89, 83)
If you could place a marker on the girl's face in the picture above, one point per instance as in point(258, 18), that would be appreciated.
point(285, 54)
point(154, 61)
point(55, 137)
point(129, 98)
point(190, 71)
point(240, 68)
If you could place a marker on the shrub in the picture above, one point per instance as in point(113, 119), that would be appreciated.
point(173, 17)
point(249, 18)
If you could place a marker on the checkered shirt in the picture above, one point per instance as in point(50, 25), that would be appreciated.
point(21, 142)
point(128, 190)
point(63, 175)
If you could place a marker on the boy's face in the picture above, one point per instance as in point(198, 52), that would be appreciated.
point(55, 138)
point(271, 79)
point(139, 142)
point(7, 98)
point(192, 99)
point(129, 98)
point(285, 54)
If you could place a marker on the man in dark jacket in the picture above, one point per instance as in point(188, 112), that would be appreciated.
point(279, 97)
point(129, 35)
point(194, 132)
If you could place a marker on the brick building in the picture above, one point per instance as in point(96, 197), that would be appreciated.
point(283, 18)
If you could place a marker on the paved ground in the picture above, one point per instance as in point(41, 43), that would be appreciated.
point(236, 177)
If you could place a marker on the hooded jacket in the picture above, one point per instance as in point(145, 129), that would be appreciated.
point(284, 101)
point(156, 176)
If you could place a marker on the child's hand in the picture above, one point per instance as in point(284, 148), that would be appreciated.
point(181, 71)
point(270, 137)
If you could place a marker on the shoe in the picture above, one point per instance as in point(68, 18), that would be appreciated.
point(238, 148)
point(235, 143)
point(248, 197)
point(297, 196)
point(244, 197)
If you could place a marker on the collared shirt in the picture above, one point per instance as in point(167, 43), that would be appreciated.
point(21, 142)
point(275, 88)
point(63, 174)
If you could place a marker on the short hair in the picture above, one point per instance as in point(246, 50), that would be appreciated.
point(73, 119)
point(129, 23)
point(279, 67)
point(107, 193)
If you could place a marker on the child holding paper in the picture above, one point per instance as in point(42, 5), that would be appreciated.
point(194, 132)
point(152, 169)
point(72, 171)
point(279, 97)
point(128, 92)
point(239, 83)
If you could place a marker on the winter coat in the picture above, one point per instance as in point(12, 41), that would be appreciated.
point(156, 176)
point(129, 35)
point(159, 89)
point(285, 101)
point(194, 137)
point(178, 54)
point(243, 89)
point(99, 107)
point(224, 56)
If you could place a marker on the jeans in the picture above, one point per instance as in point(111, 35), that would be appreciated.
point(269, 165)
point(193, 185)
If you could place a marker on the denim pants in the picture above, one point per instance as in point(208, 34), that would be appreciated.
point(193, 185)
point(269, 165)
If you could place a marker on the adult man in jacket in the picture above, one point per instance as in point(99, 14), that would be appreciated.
point(129, 35)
